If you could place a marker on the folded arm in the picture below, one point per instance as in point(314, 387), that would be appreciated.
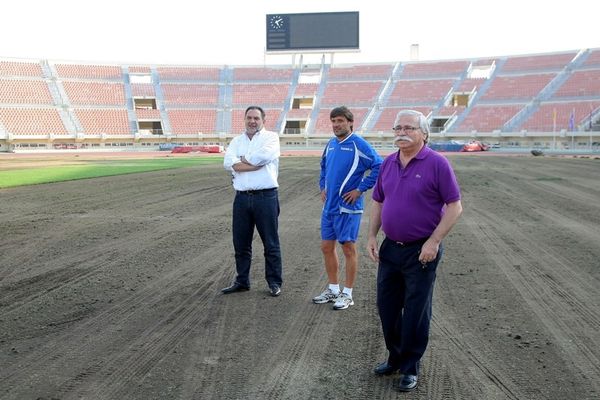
point(267, 152)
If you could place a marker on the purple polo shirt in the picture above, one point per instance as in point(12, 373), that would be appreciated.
point(414, 197)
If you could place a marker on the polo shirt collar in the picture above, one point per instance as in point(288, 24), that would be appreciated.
point(423, 153)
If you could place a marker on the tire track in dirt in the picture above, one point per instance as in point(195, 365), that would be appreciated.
point(571, 283)
point(379, 387)
point(451, 350)
point(591, 230)
point(138, 357)
point(289, 376)
point(90, 261)
point(16, 297)
point(561, 310)
point(204, 369)
point(115, 316)
point(152, 211)
point(569, 192)
point(146, 352)
point(437, 380)
point(462, 350)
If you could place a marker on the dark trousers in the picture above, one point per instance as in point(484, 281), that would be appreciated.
point(404, 298)
point(258, 209)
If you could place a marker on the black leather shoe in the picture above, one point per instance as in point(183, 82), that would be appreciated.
point(407, 383)
point(385, 369)
point(274, 290)
point(236, 287)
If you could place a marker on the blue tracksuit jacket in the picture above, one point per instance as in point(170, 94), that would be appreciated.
point(343, 167)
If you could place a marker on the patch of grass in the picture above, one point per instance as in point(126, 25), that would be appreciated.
point(95, 169)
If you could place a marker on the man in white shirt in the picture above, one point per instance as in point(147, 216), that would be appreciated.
point(253, 159)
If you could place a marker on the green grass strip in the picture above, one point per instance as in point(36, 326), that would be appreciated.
point(95, 169)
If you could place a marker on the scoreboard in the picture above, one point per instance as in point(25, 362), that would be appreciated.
point(312, 32)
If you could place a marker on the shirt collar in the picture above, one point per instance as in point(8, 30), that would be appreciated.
point(423, 153)
point(255, 134)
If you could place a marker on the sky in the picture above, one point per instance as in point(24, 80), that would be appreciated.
point(208, 32)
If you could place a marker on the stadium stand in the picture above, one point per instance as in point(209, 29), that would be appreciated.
point(244, 74)
point(551, 117)
point(209, 74)
point(542, 62)
point(449, 110)
point(108, 72)
point(360, 72)
point(593, 59)
point(192, 121)
point(32, 121)
point(104, 121)
point(488, 118)
point(268, 95)
point(190, 94)
point(95, 93)
point(493, 98)
point(516, 87)
point(139, 69)
point(581, 84)
point(419, 92)
point(142, 90)
point(351, 94)
point(20, 91)
point(435, 69)
point(26, 69)
point(468, 85)
point(306, 89)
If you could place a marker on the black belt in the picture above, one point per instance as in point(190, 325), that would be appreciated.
point(408, 244)
point(257, 191)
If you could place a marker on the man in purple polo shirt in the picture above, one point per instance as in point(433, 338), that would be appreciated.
point(416, 203)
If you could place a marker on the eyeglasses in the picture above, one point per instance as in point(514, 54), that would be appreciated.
point(405, 128)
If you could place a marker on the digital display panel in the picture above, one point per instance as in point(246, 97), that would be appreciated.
point(313, 31)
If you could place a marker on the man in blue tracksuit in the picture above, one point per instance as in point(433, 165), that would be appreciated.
point(346, 159)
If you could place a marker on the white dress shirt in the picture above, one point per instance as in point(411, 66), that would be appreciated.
point(262, 150)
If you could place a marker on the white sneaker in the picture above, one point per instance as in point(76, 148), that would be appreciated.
point(325, 297)
point(343, 301)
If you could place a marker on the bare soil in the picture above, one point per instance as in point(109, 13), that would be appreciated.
point(110, 289)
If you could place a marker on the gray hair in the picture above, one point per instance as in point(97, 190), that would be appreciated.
point(423, 123)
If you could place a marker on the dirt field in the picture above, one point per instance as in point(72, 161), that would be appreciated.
point(109, 289)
